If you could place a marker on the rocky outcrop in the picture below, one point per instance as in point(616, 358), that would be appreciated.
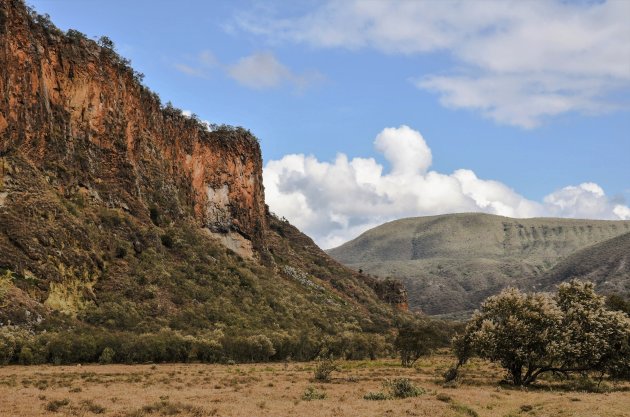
point(75, 110)
point(124, 213)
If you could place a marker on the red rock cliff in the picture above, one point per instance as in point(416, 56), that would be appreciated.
point(76, 111)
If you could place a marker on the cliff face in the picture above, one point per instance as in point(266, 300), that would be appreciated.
point(75, 110)
point(127, 215)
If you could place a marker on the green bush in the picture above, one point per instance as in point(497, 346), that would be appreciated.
point(395, 388)
point(324, 368)
point(26, 356)
point(107, 356)
point(403, 388)
point(376, 396)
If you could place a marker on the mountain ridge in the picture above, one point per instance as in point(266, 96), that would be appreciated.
point(450, 263)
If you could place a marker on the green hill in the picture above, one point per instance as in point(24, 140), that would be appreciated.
point(450, 263)
point(607, 264)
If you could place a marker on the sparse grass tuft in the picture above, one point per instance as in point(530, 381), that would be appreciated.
point(376, 396)
point(311, 393)
point(464, 409)
point(395, 388)
point(443, 397)
point(55, 405)
point(92, 407)
point(167, 408)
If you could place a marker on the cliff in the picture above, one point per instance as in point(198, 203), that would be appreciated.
point(120, 213)
point(76, 111)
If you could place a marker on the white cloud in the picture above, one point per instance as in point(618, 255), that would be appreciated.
point(586, 200)
point(259, 71)
point(201, 66)
point(522, 100)
point(192, 71)
point(516, 62)
point(405, 149)
point(621, 211)
point(262, 70)
point(336, 201)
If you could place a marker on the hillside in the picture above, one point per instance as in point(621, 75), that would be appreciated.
point(606, 263)
point(450, 263)
point(120, 218)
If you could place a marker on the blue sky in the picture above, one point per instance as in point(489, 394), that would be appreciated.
point(530, 97)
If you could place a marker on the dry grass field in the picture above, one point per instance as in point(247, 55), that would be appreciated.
point(250, 390)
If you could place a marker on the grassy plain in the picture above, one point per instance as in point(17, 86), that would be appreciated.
point(283, 389)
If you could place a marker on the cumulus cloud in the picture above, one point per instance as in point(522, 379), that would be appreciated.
point(583, 201)
point(336, 201)
point(259, 71)
point(516, 62)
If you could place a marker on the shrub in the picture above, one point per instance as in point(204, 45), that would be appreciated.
point(311, 394)
point(92, 407)
point(450, 374)
point(55, 405)
point(107, 356)
point(376, 396)
point(26, 356)
point(324, 368)
point(403, 388)
point(167, 241)
point(8, 344)
point(395, 388)
point(121, 252)
point(154, 214)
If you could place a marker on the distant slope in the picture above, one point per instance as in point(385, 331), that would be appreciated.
point(450, 263)
point(606, 263)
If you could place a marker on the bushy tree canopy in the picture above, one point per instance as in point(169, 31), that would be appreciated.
point(530, 334)
point(419, 338)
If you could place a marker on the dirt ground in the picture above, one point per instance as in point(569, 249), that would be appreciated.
point(279, 389)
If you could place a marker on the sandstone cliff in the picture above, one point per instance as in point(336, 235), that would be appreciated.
point(76, 111)
point(119, 212)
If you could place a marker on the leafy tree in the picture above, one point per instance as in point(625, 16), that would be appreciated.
point(107, 43)
point(531, 334)
point(107, 356)
point(416, 339)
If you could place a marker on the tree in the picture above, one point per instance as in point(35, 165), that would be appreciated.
point(416, 339)
point(107, 43)
point(531, 334)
